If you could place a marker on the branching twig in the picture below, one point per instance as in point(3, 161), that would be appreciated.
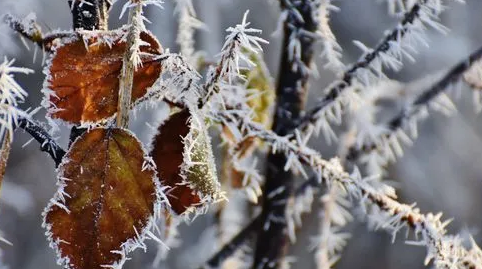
point(237, 241)
point(389, 52)
point(393, 215)
point(408, 115)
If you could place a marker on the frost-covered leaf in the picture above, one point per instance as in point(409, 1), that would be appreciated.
point(184, 158)
point(167, 154)
point(106, 200)
point(82, 81)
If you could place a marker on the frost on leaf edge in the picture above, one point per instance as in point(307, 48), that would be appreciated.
point(67, 37)
point(148, 232)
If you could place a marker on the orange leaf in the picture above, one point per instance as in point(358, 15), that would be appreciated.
point(106, 200)
point(183, 156)
point(83, 75)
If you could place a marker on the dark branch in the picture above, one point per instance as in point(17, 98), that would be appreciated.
point(365, 61)
point(237, 241)
point(398, 122)
point(245, 234)
point(291, 94)
point(90, 14)
point(47, 143)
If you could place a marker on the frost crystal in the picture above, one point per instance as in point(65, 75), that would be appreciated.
point(11, 94)
point(334, 216)
point(228, 70)
point(331, 48)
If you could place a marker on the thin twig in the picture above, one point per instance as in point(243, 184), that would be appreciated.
point(239, 38)
point(237, 241)
point(27, 29)
point(399, 121)
point(47, 143)
point(229, 248)
point(335, 90)
point(443, 249)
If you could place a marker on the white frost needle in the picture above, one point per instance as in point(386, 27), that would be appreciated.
point(11, 94)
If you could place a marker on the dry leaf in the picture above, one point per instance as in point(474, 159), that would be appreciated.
point(184, 159)
point(106, 200)
point(83, 75)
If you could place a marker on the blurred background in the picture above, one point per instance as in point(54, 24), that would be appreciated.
point(441, 171)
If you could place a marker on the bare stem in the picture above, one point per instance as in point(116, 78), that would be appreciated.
point(128, 68)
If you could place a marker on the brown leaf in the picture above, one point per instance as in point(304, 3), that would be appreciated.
point(168, 155)
point(106, 198)
point(191, 183)
point(84, 83)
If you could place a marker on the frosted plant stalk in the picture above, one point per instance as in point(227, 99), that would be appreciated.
point(333, 217)
point(393, 216)
point(240, 37)
point(131, 60)
point(386, 143)
point(188, 23)
point(397, 44)
point(332, 51)
point(11, 94)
